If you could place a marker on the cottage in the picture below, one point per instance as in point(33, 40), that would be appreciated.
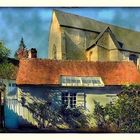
point(94, 79)
point(77, 83)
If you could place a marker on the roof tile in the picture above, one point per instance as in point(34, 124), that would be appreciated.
point(44, 71)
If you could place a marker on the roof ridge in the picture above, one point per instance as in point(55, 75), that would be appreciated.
point(98, 21)
point(74, 61)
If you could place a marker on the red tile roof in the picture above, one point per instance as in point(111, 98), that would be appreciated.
point(44, 71)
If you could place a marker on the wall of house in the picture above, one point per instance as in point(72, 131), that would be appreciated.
point(10, 87)
point(55, 39)
point(102, 98)
point(85, 97)
point(42, 92)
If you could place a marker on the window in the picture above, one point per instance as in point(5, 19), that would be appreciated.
point(69, 99)
point(81, 81)
point(133, 57)
point(12, 85)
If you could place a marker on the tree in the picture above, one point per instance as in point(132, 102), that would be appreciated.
point(123, 115)
point(5, 67)
point(4, 52)
point(50, 112)
point(75, 118)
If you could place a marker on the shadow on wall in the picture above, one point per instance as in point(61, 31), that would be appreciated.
point(14, 121)
point(73, 51)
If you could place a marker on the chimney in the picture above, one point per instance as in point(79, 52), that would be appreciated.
point(32, 53)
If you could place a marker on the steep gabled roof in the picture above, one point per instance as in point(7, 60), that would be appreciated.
point(101, 34)
point(48, 72)
point(128, 37)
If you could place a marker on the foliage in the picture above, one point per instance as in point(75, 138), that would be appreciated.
point(6, 70)
point(5, 67)
point(123, 115)
point(74, 117)
point(44, 111)
point(4, 52)
point(51, 113)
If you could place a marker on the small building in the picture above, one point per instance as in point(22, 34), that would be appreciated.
point(77, 83)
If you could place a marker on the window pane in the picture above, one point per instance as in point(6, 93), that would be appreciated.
point(68, 80)
point(69, 99)
point(83, 81)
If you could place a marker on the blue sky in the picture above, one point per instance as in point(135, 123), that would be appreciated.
point(33, 24)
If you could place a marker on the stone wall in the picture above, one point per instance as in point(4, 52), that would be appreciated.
point(92, 54)
point(76, 42)
point(55, 40)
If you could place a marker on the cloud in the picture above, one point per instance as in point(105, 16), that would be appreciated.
point(33, 23)
point(26, 22)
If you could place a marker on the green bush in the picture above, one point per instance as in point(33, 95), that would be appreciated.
point(74, 117)
point(123, 115)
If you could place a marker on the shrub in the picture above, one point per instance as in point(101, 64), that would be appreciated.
point(123, 115)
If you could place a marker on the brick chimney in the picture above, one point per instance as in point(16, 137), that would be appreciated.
point(32, 53)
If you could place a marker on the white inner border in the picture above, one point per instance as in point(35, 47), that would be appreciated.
point(70, 3)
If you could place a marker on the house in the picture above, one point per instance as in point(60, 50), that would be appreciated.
point(73, 37)
point(88, 60)
point(35, 76)
point(76, 83)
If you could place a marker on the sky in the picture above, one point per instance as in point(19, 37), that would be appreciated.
point(33, 24)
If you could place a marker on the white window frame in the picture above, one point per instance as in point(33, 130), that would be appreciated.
point(82, 81)
point(67, 98)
